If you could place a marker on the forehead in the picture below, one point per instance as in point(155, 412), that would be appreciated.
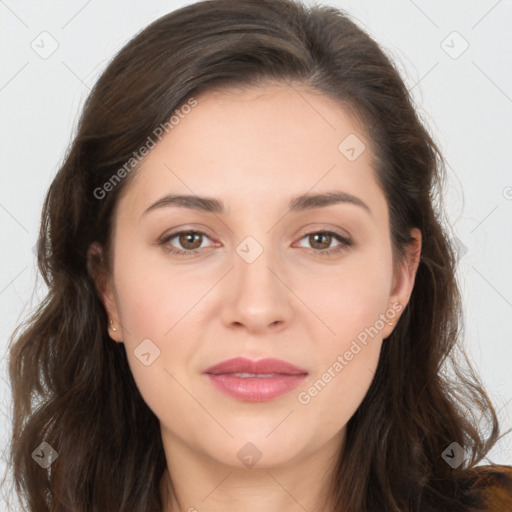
point(255, 145)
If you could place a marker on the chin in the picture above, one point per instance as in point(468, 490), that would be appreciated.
point(258, 450)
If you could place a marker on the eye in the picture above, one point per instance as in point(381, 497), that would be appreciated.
point(190, 240)
point(321, 242)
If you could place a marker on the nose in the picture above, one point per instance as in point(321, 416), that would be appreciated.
point(258, 297)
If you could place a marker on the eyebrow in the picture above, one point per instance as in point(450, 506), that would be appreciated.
point(300, 203)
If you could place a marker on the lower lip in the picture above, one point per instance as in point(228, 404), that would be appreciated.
point(255, 389)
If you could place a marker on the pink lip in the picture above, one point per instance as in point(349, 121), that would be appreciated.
point(255, 389)
point(244, 365)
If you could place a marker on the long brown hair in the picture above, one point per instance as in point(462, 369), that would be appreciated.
point(71, 384)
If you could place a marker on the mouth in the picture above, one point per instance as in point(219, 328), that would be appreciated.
point(255, 381)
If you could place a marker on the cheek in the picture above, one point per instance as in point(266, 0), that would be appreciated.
point(157, 347)
point(334, 392)
point(350, 297)
point(352, 302)
point(153, 295)
point(152, 307)
point(333, 397)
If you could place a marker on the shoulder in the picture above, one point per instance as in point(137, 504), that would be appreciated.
point(494, 482)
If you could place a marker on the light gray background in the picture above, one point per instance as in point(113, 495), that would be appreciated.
point(465, 99)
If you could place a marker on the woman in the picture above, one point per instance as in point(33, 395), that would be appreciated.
point(251, 297)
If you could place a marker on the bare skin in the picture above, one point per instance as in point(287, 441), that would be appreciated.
point(255, 150)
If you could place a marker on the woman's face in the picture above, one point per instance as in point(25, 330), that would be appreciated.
point(261, 282)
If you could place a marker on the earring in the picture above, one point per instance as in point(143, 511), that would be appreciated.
point(112, 326)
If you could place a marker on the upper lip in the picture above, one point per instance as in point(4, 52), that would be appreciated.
point(262, 366)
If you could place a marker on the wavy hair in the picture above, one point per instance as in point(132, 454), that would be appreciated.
point(72, 386)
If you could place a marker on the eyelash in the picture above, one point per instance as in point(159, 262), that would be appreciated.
point(345, 243)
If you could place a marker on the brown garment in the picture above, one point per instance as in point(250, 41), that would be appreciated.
point(496, 484)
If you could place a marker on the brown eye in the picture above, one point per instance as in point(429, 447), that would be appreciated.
point(185, 243)
point(186, 239)
point(320, 240)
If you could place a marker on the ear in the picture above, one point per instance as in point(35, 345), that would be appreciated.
point(104, 286)
point(403, 281)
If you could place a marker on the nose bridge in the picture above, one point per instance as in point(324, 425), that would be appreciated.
point(254, 267)
point(259, 297)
